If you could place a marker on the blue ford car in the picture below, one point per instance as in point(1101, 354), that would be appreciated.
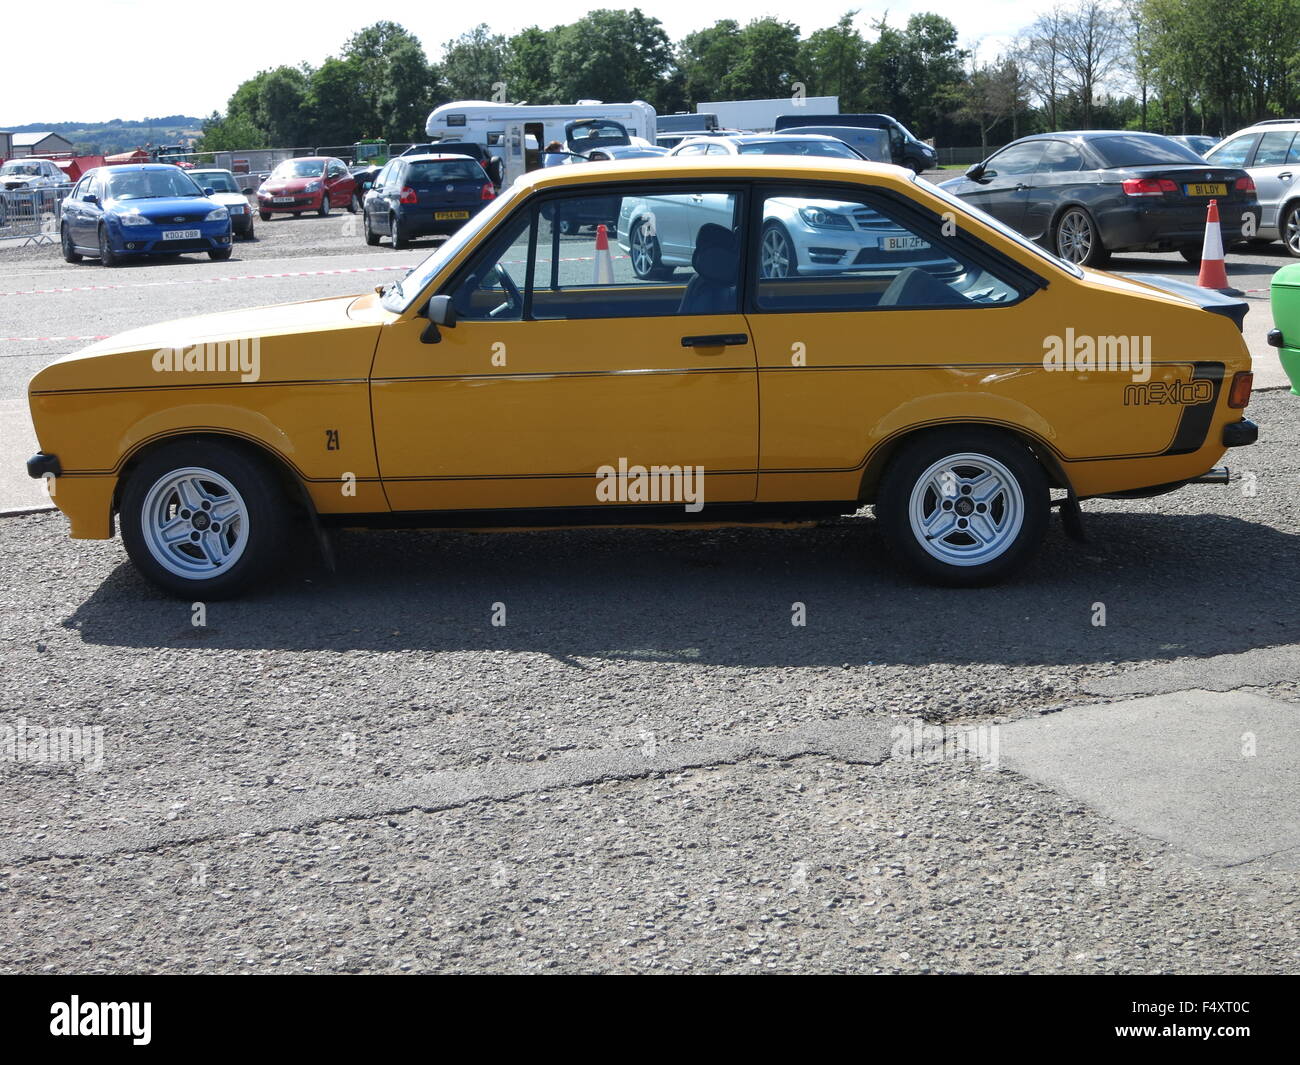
point(117, 212)
point(424, 195)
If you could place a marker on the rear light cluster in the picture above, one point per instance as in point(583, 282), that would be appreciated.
point(1245, 184)
point(488, 193)
point(409, 195)
point(1149, 186)
point(1239, 394)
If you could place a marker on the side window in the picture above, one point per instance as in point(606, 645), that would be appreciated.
point(1018, 159)
point(717, 149)
point(693, 149)
point(1273, 149)
point(672, 254)
point(381, 179)
point(1234, 152)
point(834, 250)
point(1060, 157)
point(79, 193)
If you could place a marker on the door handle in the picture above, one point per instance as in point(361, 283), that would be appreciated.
point(1284, 176)
point(1020, 188)
point(715, 340)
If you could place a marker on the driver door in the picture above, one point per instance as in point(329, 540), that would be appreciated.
point(561, 369)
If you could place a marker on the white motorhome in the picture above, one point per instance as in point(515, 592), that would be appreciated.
point(516, 131)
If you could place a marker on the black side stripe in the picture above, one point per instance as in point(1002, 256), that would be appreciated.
point(1194, 425)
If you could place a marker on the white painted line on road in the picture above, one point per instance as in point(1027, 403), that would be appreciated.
point(99, 336)
point(200, 281)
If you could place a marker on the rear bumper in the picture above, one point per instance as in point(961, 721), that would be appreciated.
point(41, 464)
point(1132, 227)
point(420, 221)
point(1240, 434)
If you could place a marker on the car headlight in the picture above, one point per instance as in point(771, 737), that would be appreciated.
point(819, 219)
point(312, 186)
point(133, 218)
point(237, 208)
point(219, 214)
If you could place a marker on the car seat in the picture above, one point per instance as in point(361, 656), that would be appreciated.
point(716, 262)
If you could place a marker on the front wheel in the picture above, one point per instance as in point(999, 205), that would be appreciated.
point(265, 216)
point(1290, 230)
point(203, 519)
point(107, 256)
point(1077, 240)
point(372, 238)
point(219, 255)
point(964, 507)
point(777, 256)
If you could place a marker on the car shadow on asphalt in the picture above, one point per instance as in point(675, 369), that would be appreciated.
point(1171, 585)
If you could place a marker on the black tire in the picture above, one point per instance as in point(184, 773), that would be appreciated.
point(774, 237)
point(70, 254)
point(372, 238)
point(263, 499)
point(354, 204)
point(397, 234)
point(219, 255)
point(1192, 254)
point(297, 214)
point(265, 216)
point(1076, 239)
point(1289, 229)
point(958, 559)
point(324, 209)
point(644, 255)
point(107, 256)
point(252, 232)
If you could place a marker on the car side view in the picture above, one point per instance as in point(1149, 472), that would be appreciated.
point(522, 377)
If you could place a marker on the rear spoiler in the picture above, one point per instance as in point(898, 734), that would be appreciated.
point(1207, 299)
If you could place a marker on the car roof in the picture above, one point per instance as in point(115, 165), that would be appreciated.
point(721, 166)
point(438, 157)
point(122, 168)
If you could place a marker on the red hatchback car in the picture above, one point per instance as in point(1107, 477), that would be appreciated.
point(313, 183)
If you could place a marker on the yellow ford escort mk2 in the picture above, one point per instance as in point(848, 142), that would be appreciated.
point(758, 339)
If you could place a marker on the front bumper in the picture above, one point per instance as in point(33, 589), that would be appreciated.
point(297, 202)
point(149, 240)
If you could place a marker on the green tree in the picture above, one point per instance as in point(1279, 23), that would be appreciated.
point(613, 56)
point(395, 83)
point(474, 64)
point(705, 57)
point(528, 74)
point(833, 61)
point(767, 61)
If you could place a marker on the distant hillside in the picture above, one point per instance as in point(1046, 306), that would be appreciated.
point(119, 135)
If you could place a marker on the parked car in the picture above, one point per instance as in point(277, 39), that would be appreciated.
point(311, 183)
point(424, 195)
point(222, 187)
point(499, 383)
point(1284, 298)
point(906, 149)
point(1197, 143)
point(31, 174)
point(872, 144)
point(120, 212)
point(1088, 194)
point(808, 144)
point(492, 164)
point(1270, 153)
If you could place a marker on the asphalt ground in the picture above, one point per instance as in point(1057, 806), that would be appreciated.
point(647, 767)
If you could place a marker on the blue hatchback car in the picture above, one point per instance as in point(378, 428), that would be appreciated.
point(116, 212)
point(424, 195)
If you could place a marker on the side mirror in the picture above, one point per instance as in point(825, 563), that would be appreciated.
point(440, 312)
point(975, 172)
point(90, 197)
point(208, 191)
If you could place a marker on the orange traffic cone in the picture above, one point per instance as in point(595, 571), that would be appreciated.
point(1213, 274)
point(604, 261)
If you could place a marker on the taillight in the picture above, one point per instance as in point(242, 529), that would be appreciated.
point(1239, 394)
point(1245, 184)
point(409, 195)
point(489, 193)
point(1149, 186)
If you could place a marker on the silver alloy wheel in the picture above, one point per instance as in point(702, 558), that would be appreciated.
point(776, 254)
point(1074, 237)
point(643, 253)
point(324, 205)
point(195, 523)
point(966, 509)
point(1291, 232)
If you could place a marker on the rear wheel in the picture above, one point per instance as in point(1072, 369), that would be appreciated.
point(70, 253)
point(646, 262)
point(1192, 253)
point(965, 506)
point(1290, 229)
point(203, 519)
point(396, 233)
point(324, 208)
point(1076, 240)
point(107, 255)
point(354, 204)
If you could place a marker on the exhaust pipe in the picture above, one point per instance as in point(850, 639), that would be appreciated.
point(1218, 475)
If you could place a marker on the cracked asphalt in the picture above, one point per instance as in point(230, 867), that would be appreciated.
point(648, 767)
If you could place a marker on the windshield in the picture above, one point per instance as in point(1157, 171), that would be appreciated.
point(298, 168)
point(1133, 150)
point(1001, 227)
point(148, 184)
point(20, 168)
point(800, 146)
point(217, 180)
point(401, 294)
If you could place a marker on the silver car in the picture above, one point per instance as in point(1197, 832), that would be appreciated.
point(1270, 152)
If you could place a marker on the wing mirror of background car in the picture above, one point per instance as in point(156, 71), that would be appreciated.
point(90, 197)
point(209, 191)
point(976, 172)
point(440, 311)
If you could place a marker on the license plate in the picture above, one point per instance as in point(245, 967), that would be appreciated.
point(1215, 189)
point(282, 199)
point(447, 216)
point(903, 244)
point(181, 234)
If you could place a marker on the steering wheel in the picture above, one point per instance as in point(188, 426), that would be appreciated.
point(514, 305)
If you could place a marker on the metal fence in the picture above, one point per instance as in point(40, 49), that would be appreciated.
point(964, 156)
point(32, 214)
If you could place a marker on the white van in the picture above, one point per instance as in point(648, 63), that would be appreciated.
point(512, 130)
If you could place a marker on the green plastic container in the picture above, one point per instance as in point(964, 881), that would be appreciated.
point(1284, 294)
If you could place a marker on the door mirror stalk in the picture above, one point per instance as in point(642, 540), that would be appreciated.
point(441, 312)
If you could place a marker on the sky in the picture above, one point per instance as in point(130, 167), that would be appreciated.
point(234, 43)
